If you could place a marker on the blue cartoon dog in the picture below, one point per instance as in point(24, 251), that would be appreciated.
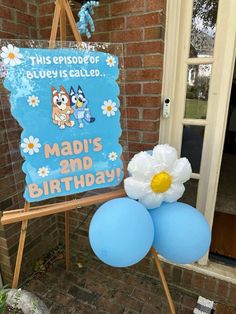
point(80, 107)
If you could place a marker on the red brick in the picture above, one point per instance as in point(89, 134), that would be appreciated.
point(127, 35)
point(153, 5)
point(153, 60)
point(142, 125)
point(22, 30)
point(137, 147)
point(153, 33)
point(133, 62)
point(143, 101)
point(110, 24)
point(32, 9)
point(46, 9)
point(143, 75)
point(151, 114)
point(149, 19)
point(17, 4)
point(100, 12)
point(134, 136)
point(145, 47)
point(127, 7)
point(210, 285)
point(102, 37)
point(132, 89)
point(152, 88)
point(5, 12)
point(25, 19)
point(152, 138)
point(132, 113)
point(198, 282)
point(45, 21)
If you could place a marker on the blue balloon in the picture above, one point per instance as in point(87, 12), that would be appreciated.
point(121, 232)
point(182, 234)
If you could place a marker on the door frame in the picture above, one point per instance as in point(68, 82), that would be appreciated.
point(176, 50)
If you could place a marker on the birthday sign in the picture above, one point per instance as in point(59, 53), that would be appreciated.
point(66, 101)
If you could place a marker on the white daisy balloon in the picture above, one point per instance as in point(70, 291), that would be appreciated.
point(158, 177)
point(11, 55)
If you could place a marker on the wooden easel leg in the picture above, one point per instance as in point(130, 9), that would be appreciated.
point(163, 281)
point(67, 239)
point(24, 226)
point(55, 23)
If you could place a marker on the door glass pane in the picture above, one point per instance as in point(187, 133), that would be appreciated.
point(192, 143)
point(190, 194)
point(198, 78)
point(203, 28)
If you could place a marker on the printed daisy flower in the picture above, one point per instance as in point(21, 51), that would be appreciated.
point(30, 145)
point(158, 177)
point(11, 55)
point(33, 101)
point(112, 156)
point(109, 108)
point(111, 61)
point(43, 172)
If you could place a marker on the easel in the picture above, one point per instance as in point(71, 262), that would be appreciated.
point(63, 10)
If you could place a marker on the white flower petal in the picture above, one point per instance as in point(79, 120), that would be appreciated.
point(4, 55)
point(142, 166)
point(4, 49)
point(23, 145)
point(16, 50)
point(10, 48)
point(17, 61)
point(26, 140)
point(152, 200)
point(174, 193)
point(31, 139)
point(31, 151)
point(181, 170)
point(134, 188)
point(12, 62)
point(165, 155)
point(6, 60)
point(26, 149)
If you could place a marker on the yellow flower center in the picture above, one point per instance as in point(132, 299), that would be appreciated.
point(161, 182)
point(30, 145)
point(109, 108)
point(11, 55)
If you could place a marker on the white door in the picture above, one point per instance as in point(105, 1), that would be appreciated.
point(198, 70)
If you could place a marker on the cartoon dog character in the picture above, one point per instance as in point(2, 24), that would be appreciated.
point(80, 106)
point(61, 109)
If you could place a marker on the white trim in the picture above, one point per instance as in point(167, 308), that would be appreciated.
point(215, 270)
point(173, 12)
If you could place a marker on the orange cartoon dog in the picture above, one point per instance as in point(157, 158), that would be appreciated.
point(61, 109)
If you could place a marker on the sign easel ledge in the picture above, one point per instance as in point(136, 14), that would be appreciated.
point(61, 13)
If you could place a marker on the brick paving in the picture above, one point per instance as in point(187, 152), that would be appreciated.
point(98, 288)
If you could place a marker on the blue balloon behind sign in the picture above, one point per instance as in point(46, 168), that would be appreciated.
point(66, 101)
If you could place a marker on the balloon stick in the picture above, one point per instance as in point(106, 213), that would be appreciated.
point(163, 281)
